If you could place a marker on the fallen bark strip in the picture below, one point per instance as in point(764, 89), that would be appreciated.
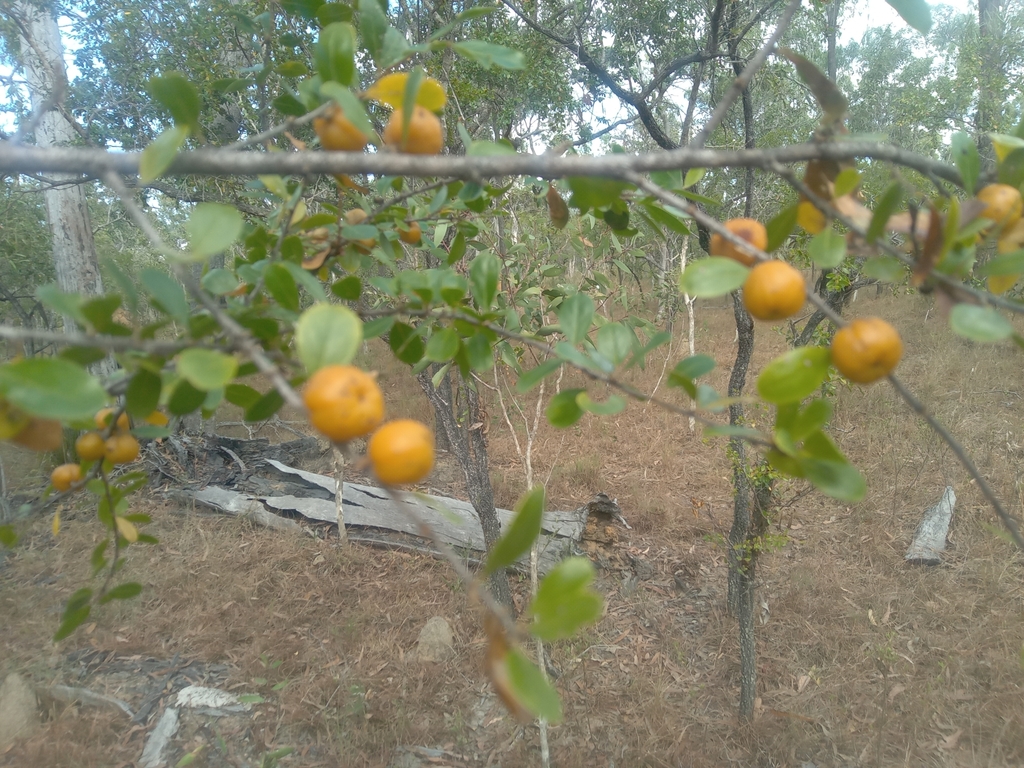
point(455, 521)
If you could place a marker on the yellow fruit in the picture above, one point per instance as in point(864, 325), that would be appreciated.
point(774, 291)
point(104, 416)
point(402, 451)
point(158, 419)
point(66, 475)
point(344, 402)
point(1003, 204)
point(91, 446)
point(413, 235)
point(337, 132)
point(122, 448)
point(866, 350)
point(40, 435)
point(424, 138)
point(746, 229)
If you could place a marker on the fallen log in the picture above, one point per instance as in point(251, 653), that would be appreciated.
point(365, 507)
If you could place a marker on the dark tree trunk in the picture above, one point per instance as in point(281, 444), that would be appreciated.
point(466, 439)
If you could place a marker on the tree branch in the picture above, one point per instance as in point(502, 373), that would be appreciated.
point(220, 162)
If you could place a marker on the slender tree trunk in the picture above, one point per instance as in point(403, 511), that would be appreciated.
point(468, 444)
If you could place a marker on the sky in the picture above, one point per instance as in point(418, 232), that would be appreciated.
point(857, 18)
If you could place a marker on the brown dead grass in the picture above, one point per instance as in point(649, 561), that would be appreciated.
point(862, 659)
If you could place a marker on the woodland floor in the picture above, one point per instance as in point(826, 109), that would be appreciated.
point(863, 660)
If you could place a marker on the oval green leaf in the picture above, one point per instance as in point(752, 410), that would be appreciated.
point(521, 532)
point(212, 228)
point(327, 334)
point(52, 388)
point(207, 369)
point(979, 323)
point(827, 249)
point(711, 277)
point(794, 375)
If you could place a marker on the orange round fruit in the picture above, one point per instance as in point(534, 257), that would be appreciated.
point(66, 475)
point(121, 448)
point(1003, 204)
point(866, 350)
point(412, 236)
point(40, 435)
point(425, 136)
point(774, 290)
point(402, 451)
point(344, 402)
point(104, 416)
point(337, 132)
point(751, 230)
point(91, 446)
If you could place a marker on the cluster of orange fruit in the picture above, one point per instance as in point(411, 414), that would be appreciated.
point(865, 350)
point(345, 402)
point(120, 448)
point(1004, 206)
point(424, 136)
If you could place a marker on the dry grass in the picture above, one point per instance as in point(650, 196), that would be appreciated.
point(863, 660)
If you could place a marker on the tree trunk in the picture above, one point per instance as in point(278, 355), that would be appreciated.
point(467, 442)
point(67, 210)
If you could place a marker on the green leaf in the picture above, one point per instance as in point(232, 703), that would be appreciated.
point(1006, 264)
point(241, 395)
point(484, 272)
point(531, 378)
point(265, 407)
point(292, 69)
point(348, 288)
point(613, 405)
point(167, 293)
point(373, 23)
point(564, 601)
point(207, 369)
point(713, 276)
point(334, 54)
point(827, 249)
point(811, 419)
point(489, 55)
point(575, 315)
point(916, 13)
point(442, 345)
point(888, 269)
point(794, 375)
point(588, 192)
point(967, 160)
point(327, 334)
point(694, 367)
point(839, 480)
point(521, 531)
point(212, 228)
point(329, 13)
point(887, 205)
point(394, 49)
point(406, 343)
point(52, 388)
point(8, 537)
point(563, 410)
point(979, 323)
point(143, 393)
point(693, 175)
point(282, 287)
point(160, 153)
point(616, 342)
point(780, 227)
point(185, 398)
point(287, 104)
point(70, 621)
point(530, 687)
point(179, 97)
point(122, 592)
point(490, 148)
point(219, 282)
point(847, 181)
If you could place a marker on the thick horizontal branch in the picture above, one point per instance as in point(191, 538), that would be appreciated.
point(214, 162)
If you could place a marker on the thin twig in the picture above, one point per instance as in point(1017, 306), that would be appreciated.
point(741, 82)
point(98, 341)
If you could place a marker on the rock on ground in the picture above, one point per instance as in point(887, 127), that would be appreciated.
point(19, 716)
point(436, 641)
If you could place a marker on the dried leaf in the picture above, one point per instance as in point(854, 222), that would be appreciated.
point(895, 691)
point(316, 261)
point(951, 741)
point(931, 251)
point(557, 209)
point(831, 100)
